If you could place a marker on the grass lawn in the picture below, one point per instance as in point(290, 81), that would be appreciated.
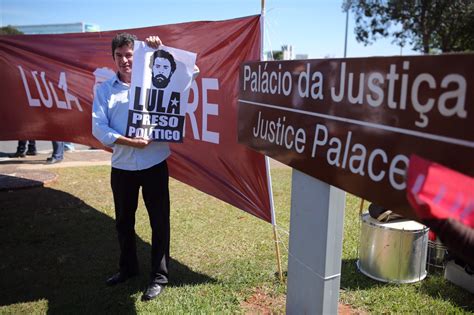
point(58, 245)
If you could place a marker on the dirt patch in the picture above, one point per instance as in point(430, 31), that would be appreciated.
point(344, 309)
point(263, 302)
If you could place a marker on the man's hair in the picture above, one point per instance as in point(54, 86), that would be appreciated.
point(122, 39)
point(163, 54)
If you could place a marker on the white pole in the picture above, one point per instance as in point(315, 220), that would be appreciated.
point(267, 159)
point(347, 27)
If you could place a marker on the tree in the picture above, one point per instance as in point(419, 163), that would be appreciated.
point(9, 30)
point(428, 25)
point(277, 55)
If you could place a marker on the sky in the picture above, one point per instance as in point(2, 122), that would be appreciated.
point(312, 27)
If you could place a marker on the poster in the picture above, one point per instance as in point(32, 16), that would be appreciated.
point(161, 79)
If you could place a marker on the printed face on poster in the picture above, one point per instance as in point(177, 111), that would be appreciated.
point(161, 79)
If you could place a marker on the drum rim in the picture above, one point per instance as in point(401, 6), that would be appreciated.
point(424, 229)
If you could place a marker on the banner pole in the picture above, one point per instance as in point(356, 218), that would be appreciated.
point(278, 256)
point(272, 211)
point(267, 159)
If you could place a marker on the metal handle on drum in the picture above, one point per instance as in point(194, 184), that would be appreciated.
point(361, 207)
point(400, 234)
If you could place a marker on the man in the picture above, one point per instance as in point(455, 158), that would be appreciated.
point(162, 68)
point(136, 162)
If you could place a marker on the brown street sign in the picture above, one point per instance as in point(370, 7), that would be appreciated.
point(353, 123)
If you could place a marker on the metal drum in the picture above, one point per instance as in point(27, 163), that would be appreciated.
point(393, 251)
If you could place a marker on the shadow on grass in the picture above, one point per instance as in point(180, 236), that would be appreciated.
point(433, 285)
point(353, 279)
point(8, 182)
point(55, 247)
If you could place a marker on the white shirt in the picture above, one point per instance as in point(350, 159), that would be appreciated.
point(109, 121)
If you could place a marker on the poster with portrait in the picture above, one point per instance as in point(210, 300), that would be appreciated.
point(161, 79)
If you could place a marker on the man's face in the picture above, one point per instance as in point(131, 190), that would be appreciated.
point(123, 57)
point(161, 72)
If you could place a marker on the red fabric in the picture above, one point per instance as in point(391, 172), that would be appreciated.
point(431, 235)
point(437, 192)
point(226, 170)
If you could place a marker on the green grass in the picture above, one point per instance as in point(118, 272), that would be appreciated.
point(58, 245)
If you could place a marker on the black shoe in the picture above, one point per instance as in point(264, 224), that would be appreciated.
point(31, 152)
point(152, 291)
point(52, 160)
point(119, 277)
point(18, 154)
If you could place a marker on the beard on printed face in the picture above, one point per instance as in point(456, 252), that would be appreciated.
point(160, 81)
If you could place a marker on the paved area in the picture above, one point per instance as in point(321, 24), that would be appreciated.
point(32, 171)
point(8, 147)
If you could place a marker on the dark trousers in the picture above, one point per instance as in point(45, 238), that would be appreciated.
point(22, 146)
point(155, 192)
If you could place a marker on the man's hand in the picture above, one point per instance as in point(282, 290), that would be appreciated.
point(138, 143)
point(153, 41)
point(196, 72)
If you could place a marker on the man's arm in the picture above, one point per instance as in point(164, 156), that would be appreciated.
point(106, 135)
point(139, 143)
point(100, 122)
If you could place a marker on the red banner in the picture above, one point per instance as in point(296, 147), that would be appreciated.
point(48, 84)
point(437, 192)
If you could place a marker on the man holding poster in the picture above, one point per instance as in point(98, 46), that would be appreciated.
point(137, 161)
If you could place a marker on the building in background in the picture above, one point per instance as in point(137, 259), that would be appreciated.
point(79, 27)
point(301, 56)
point(286, 53)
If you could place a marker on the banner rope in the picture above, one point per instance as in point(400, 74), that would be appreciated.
point(302, 263)
point(282, 230)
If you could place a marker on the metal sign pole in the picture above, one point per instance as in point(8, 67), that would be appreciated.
point(315, 249)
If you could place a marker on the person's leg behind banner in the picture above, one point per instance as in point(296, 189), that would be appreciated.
point(58, 153)
point(20, 149)
point(31, 148)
